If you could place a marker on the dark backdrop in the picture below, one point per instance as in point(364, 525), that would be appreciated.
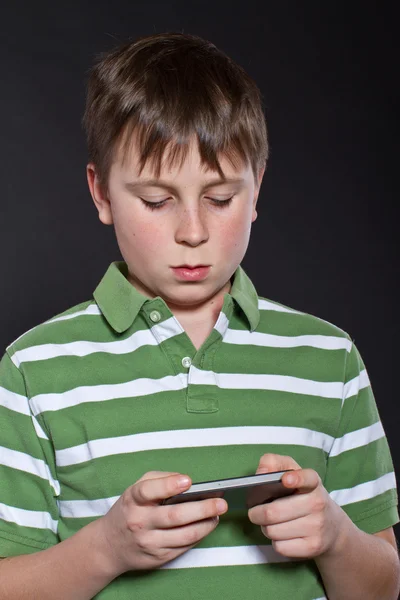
point(326, 238)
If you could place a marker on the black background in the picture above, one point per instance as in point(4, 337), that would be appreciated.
point(325, 241)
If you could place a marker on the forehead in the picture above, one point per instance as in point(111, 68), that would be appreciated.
point(176, 160)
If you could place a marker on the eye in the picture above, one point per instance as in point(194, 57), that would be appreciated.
point(153, 205)
point(221, 203)
point(161, 203)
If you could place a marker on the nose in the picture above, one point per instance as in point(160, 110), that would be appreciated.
point(192, 227)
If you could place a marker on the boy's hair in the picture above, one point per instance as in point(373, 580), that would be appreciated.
point(166, 88)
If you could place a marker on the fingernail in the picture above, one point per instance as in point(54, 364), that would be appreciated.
point(216, 520)
point(183, 481)
point(221, 505)
point(291, 479)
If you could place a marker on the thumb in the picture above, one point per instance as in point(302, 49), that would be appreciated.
point(276, 462)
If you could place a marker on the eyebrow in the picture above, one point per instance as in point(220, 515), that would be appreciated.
point(168, 186)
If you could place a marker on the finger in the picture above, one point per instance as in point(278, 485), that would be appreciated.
point(304, 480)
point(151, 491)
point(188, 535)
point(281, 510)
point(156, 475)
point(177, 515)
point(276, 462)
point(292, 529)
point(297, 548)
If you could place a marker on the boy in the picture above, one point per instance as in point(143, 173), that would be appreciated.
point(178, 368)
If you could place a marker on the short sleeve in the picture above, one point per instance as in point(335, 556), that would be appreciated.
point(360, 475)
point(28, 487)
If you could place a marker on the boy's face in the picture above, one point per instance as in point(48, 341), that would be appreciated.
point(159, 242)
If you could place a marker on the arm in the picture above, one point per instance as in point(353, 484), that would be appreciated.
point(72, 569)
point(354, 565)
point(136, 533)
point(358, 559)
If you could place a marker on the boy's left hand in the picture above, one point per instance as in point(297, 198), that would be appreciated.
point(306, 524)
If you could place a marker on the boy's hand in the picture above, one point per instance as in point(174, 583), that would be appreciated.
point(139, 533)
point(308, 523)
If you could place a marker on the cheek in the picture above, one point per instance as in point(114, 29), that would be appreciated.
point(235, 234)
point(144, 238)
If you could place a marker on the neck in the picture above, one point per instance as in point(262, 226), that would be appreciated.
point(199, 321)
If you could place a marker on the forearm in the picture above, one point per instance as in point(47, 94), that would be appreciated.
point(363, 567)
point(75, 569)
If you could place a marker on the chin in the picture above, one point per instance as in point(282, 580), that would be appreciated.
point(189, 297)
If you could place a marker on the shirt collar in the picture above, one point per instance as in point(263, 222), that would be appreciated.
point(120, 302)
point(245, 294)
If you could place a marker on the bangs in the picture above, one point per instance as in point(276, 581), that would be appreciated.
point(156, 146)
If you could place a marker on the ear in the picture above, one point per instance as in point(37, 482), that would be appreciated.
point(257, 191)
point(99, 195)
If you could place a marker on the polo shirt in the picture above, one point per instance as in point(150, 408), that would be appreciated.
point(112, 388)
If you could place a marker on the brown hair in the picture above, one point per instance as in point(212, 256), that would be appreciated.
point(167, 87)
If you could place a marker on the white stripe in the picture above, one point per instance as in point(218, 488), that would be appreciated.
point(99, 393)
point(280, 383)
point(28, 518)
point(358, 438)
point(325, 342)
point(80, 509)
point(352, 387)
point(268, 305)
point(39, 431)
point(23, 462)
point(199, 377)
point(93, 309)
point(167, 329)
point(364, 491)
point(15, 402)
point(222, 323)
point(84, 348)
point(19, 404)
point(226, 556)
point(146, 337)
point(193, 438)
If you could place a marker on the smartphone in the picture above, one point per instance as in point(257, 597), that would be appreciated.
point(241, 493)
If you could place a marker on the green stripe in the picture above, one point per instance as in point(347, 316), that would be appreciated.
point(284, 583)
point(359, 466)
point(24, 490)
point(306, 363)
point(127, 416)
point(109, 476)
point(358, 412)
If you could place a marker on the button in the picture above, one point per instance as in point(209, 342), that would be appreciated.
point(186, 362)
point(155, 316)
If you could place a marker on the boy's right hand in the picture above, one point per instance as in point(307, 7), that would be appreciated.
point(140, 533)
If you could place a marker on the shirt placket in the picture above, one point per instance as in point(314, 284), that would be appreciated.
point(203, 386)
point(194, 366)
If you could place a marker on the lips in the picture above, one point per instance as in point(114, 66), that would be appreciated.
point(191, 272)
point(191, 267)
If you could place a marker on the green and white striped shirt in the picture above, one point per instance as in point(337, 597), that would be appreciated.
point(112, 388)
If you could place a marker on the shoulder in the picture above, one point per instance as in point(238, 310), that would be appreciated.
point(291, 322)
point(60, 328)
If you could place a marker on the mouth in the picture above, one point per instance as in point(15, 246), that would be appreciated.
point(191, 272)
point(191, 267)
